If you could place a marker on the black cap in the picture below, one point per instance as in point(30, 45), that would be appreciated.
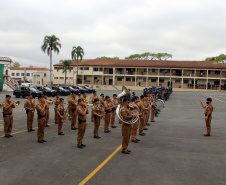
point(101, 94)
point(209, 99)
point(79, 100)
point(61, 99)
point(94, 91)
point(73, 92)
point(114, 94)
point(7, 96)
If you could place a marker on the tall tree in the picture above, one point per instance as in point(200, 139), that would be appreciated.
point(76, 53)
point(66, 66)
point(149, 56)
point(108, 58)
point(220, 58)
point(15, 64)
point(51, 43)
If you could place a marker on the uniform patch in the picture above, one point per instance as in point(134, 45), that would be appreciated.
point(123, 110)
point(39, 106)
point(79, 109)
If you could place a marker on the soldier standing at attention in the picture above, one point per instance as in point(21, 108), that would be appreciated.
point(147, 111)
point(82, 110)
point(108, 108)
point(143, 109)
point(126, 128)
point(40, 107)
point(73, 106)
point(60, 113)
point(208, 115)
point(47, 109)
point(153, 108)
point(8, 106)
point(57, 102)
point(69, 108)
point(135, 126)
point(97, 115)
point(102, 99)
point(29, 105)
point(113, 113)
point(94, 96)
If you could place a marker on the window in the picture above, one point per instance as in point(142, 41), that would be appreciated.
point(145, 70)
point(153, 70)
point(66, 77)
point(44, 74)
point(12, 74)
point(28, 74)
point(95, 69)
point(186, 81)
point(101, 69)
point(133, 79)
point(216, 82)
point(55, 77)
point(22, 74)
point(85, 78)
point(55, 67)
point(80, 68)
point(71, 77)
point(61, 77)
point(161, 80)
point(217, 72)
point(177, 81)
point(119, 79)
point(86, 68)
point(162, 70)
point(95, 78)
point(128, 79)
point(144, 79)
point(18, 74)
point(153, 80)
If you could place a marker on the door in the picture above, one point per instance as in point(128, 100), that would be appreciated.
point(110, 81)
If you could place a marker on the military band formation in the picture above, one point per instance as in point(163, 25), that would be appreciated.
point(102, 108)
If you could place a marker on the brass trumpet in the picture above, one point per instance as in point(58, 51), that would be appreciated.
point(17, 103)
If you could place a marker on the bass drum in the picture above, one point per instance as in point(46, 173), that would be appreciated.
point(159, 104)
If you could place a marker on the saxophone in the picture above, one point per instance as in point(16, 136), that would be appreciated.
point(125, 94)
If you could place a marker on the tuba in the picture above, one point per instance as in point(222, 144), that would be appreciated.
point(125, 94)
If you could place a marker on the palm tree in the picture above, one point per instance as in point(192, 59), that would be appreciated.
point(51, 43)
point(66, 66)
point(76, 53)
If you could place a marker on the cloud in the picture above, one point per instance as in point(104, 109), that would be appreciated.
point(188, 29)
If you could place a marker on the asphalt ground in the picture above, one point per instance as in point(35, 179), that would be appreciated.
point(173, 152)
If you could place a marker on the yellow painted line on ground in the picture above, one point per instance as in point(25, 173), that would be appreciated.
point(22, 131)
point(99, 167)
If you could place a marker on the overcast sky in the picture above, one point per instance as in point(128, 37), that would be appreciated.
point(188, 29)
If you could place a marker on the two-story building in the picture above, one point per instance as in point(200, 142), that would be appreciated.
point(35, 75)
point(142, 73)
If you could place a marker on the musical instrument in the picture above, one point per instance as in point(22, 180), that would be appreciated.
point(17, 103)
point(125, 94)
point(50, 102)
point(159, 104)
point(66, 114)
point(102, 111)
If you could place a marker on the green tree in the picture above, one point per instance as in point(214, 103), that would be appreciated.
point(149, 56)
point(108, 58)
point(220, 58)
point(76, 53)
point(66, 66)
point(15, 64)
point(51, 43)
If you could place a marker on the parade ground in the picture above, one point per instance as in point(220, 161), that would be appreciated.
point(173, 152)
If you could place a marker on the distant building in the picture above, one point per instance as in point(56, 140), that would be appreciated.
point(6, 84)
point(141, 73)
point(35, 75)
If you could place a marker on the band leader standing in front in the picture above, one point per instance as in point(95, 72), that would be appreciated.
point(208, 115)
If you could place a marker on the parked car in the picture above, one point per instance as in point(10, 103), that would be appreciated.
point(46, 91)
point(60, 90)
point(90, 90)
point(81, 90)
point(24, 91)
point(71, 89)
